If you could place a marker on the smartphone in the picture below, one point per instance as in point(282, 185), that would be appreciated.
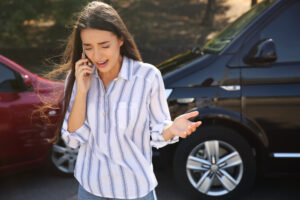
point(88, 63)
point(83, 54)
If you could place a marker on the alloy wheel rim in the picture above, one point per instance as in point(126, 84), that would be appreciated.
point(64, 157)
point(214, 168)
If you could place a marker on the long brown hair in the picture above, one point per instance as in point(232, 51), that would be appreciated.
point(96, 15)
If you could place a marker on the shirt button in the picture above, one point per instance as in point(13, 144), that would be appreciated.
point(104, 114)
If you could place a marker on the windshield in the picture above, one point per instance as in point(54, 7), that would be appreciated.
point(218, 43)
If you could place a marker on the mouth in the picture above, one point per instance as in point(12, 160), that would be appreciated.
point(102, 64)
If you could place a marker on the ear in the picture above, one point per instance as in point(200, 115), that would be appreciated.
point(121, 41)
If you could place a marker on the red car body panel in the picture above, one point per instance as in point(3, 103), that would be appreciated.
point(23, 135)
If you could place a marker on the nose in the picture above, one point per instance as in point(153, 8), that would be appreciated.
point(97, 54)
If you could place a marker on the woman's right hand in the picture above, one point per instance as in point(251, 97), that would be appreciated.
point(83, 75)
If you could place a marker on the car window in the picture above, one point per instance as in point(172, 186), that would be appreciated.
point(8, 80)
point(221, 40)
point(285, 32)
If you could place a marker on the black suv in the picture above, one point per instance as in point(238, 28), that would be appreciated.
point(245, 83)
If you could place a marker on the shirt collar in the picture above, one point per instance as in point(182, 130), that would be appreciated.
point(126, 69)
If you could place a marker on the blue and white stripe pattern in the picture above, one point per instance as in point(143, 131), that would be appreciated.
point(122, 123)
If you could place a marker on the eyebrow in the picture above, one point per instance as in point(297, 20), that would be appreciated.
point(86, 44)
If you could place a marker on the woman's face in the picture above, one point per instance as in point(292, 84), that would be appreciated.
point(103, 50)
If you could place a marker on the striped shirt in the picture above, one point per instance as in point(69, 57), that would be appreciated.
point(122, 123)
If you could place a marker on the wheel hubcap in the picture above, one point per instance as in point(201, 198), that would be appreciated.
point(64, 157)
point(214, 168)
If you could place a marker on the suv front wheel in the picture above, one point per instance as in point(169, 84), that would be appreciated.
point(214, 163)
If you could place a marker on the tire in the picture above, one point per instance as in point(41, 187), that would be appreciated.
point(214, 174)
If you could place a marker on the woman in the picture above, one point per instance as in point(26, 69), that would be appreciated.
point(115, 109)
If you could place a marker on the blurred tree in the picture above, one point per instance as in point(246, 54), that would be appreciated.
point(161, 28)
point(253, 2)
point(208, 18)
point(18, 17)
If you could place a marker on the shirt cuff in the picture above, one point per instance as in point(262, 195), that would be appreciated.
point(158, 140)
point(76, 138)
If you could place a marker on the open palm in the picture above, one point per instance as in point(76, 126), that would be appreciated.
point(183, 127)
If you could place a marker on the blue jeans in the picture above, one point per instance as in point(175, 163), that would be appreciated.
point(85, 195)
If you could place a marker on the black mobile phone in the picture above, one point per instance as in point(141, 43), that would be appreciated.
point(85, 57)
point(83, 54)
point(89, 63)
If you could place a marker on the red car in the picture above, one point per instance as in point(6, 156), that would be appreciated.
point(23, 135)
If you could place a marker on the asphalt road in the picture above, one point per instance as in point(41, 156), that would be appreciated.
point(42, 184)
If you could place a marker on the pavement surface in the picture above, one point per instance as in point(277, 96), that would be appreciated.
point(44, 184)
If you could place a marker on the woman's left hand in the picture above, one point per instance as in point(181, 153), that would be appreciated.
point(182, 126)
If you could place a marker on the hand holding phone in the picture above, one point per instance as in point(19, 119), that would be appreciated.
point(83, 74)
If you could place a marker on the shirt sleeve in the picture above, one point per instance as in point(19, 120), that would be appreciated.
point(81, 135)
point(159, 113)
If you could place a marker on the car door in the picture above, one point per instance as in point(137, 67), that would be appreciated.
point(20, 132)
point(271, 92)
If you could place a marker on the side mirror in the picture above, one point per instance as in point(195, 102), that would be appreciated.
point(27, 80)
point(263, 52)
point(23, 81)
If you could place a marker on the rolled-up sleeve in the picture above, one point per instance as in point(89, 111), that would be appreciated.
point(81, 135)
point(159, 113)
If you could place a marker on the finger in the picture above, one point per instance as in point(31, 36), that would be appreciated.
point(80, 62)
point(191, 114)
point(85, 70)
point(85, 67)
point(194, 129)
point(198, 123)
point(189, 130)
point(195, 124)
point(87, 73)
